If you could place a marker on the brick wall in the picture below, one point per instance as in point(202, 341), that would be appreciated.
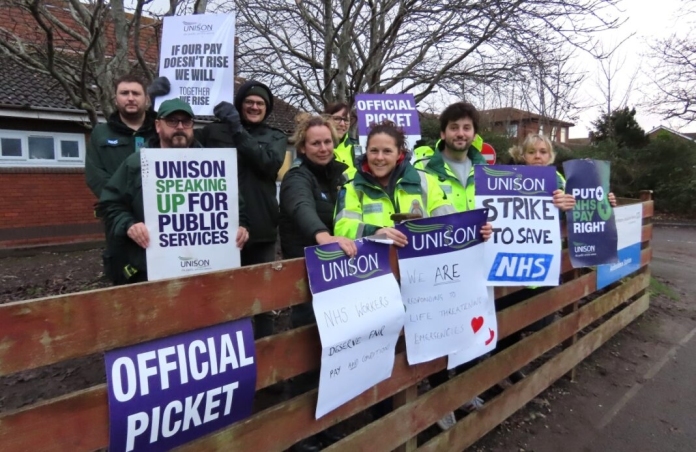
point(46, 206)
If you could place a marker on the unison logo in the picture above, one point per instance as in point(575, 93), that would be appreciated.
point(511, 181)
point(333, 267)
point(195, 26)
point(429, 236)
point(583, 248)
point(190, 262)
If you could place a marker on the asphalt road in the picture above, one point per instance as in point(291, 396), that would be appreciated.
point(658, 413)
point(637, 393)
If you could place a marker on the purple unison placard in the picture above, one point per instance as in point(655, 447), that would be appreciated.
point(444, 234)
point(170, 391)
point(592, 236)
point(398, 108)
point(328, 267)
point(501, 180)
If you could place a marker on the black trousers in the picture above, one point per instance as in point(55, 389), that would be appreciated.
point(260, 253)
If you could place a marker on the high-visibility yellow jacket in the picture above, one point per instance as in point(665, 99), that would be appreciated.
point(561, 181)
point(345, 153)
point(364, 206)
point(460, 194)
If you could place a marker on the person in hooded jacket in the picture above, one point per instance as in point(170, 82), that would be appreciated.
point(261, 152)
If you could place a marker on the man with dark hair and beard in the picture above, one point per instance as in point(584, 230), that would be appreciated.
point(452, 162)
point(121, 202)
point(126, 130)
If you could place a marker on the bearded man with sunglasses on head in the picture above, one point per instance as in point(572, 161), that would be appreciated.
point(121, 202)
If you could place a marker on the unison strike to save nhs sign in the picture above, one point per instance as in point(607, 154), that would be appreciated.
point(170, 391)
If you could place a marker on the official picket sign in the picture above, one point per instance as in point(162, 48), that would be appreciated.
point(629, 222)
point(592, 238)
point(170, 391)
point(197, 56)
point(400, 109)
point(190, 200)
point(448, 306)
point(526, 244)
point(359, 314)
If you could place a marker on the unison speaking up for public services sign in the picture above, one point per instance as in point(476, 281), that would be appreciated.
point(170, 391)
point(191, 205)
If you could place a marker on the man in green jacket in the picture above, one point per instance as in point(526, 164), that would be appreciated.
point(127, 130)
point(452, 162)
point(121, 202)
point(455, 154)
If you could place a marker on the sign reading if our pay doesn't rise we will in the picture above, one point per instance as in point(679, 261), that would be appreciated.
point(525, 248)
point(359, 315)
point(191, 210)
point(449, 309)
point(197, 56)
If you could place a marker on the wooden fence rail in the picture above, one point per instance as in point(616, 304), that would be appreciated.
point(46, 331)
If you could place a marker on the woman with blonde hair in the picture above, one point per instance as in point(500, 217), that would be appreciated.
point(309, 189)
point(537, 150)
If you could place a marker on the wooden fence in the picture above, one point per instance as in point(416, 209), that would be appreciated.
point(45, 331)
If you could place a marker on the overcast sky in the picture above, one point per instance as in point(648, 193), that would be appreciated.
point(649, 20)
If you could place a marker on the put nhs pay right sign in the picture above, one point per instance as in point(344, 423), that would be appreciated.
point(525, 248)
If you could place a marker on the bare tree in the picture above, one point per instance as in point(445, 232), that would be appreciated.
point(84, 47)
point(611, 63)
point(319, 51)
point(673, 73)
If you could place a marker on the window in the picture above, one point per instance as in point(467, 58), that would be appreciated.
point(20, 148)
point(10, 147)
point(512, 130)
point(69, 149)
point(564, 134)
point(42, 148)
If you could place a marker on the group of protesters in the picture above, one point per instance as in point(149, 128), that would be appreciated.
point(334, 192)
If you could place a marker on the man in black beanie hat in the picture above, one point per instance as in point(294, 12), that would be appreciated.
point(260, 154)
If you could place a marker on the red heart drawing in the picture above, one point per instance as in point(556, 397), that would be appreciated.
point(492, 335)
point(476, 323)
